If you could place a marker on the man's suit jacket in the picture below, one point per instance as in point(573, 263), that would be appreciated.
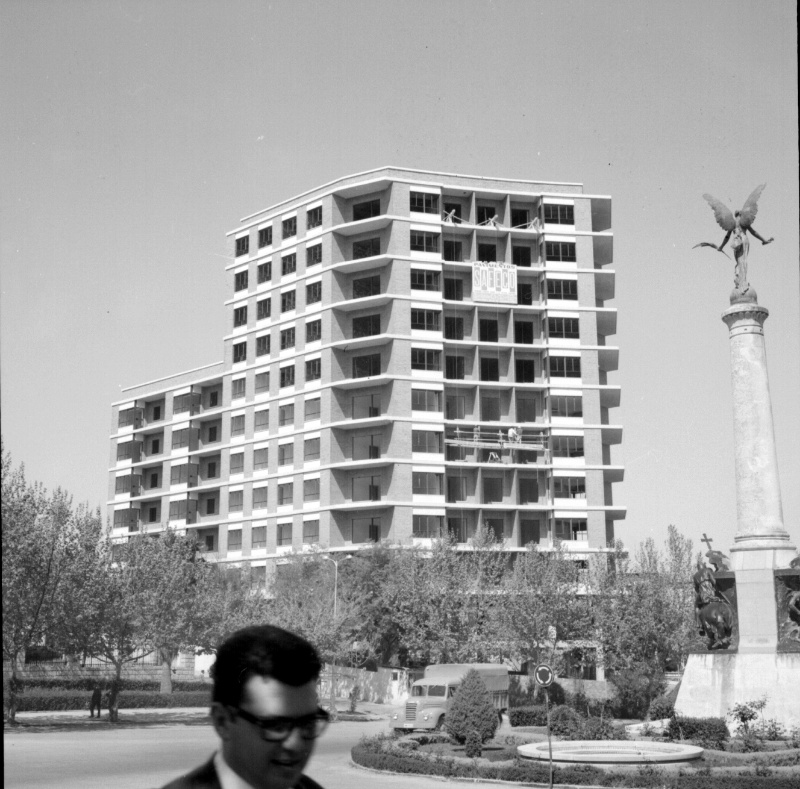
point(205, 777)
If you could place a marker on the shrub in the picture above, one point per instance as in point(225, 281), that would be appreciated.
point(600, 729)
point(88, 684)
point(473, 745)
point(744, 714)
point(636, 688)
point(57, 700)
point(565, 722)
point(528, 716)
point(472, 709)
point(708, 732)
point(660, 708)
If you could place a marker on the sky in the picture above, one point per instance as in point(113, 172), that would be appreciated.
point(136, 134)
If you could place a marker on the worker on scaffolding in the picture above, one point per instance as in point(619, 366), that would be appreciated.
point(476, 433)
point(514, 435)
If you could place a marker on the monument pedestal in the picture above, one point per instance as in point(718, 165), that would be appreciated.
point(713, 682)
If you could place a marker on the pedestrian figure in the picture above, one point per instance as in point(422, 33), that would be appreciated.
point(94, 704)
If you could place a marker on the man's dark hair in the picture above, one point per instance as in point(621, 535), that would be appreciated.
point(262, 651)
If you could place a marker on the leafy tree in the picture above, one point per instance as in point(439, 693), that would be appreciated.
point(471, 710)
point(40, 536)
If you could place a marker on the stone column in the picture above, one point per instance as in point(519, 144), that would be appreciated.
point(761, 543)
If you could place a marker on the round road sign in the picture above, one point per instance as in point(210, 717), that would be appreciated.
point(543, 675)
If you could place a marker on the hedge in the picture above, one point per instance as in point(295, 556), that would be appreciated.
point(535, 715)
point(711, 731)
point(88, 684)
point(60, 700)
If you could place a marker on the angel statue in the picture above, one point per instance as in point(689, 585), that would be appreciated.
point(739, 224)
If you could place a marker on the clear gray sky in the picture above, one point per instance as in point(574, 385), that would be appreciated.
point(135, 134)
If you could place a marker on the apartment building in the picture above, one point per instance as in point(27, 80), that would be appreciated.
point(407, 353)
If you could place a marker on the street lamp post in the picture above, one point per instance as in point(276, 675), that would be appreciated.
point(333, 711)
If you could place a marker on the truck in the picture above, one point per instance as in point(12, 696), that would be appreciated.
point(431, 696)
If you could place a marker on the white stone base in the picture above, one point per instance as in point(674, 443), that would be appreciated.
point(712, 683)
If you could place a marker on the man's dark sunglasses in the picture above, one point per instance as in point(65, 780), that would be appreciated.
point(278, 729)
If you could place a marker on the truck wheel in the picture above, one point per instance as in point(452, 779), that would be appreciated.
point(439, 724)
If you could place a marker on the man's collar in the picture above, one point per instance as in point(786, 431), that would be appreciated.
point(228, 778)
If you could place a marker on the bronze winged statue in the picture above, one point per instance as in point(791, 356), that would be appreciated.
point(738, 224)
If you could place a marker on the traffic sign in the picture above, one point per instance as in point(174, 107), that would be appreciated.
point(543, 675)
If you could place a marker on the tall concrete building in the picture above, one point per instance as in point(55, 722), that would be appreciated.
point(407, 352)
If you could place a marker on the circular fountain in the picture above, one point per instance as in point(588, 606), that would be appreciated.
point(601, 752)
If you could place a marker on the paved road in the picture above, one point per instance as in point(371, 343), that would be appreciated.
point(148, 757)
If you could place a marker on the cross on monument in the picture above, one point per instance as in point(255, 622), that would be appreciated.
point(707, 541)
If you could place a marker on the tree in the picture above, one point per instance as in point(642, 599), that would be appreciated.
point(40, 536)
point(471, 710)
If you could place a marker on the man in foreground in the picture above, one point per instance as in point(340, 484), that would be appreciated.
point(265, 711)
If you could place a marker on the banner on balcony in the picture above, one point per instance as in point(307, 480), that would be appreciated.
point(494, 282)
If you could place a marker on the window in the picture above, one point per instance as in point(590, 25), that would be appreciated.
point(258, 535)
point(235, 501)
point(424, 242)
point(366, 209)
point(238, 388)
point(262, 346)
point(366, 406)
point(310, 532)
point(492, 489)
point(430, 526)
point(240, 316)
point(242, 245)
point(126, 519)
point(314, 217)
point(458, 528)
point(152, 514)
point(311, 449)
point(521, 256)
point(563, 327)
point(365, 530)
point(211, 470)
point(494, 528)
point(311, 489)
point(426, 441)
point(424, 280)
point(155, 446)
point(313, 369)
point(487, 252)
point(240, 281)
point(366, 286)
point(211, 509)
point(234, 539)
point(364, 366)
point(312, 409)
point(287, 339)
point(454, 289)
point(260, 498)
point(455, 407)
point(523, 332)
point(262, 379)
point(261, 459)
point(528, 490)
point(560, 250)
point(520, 217)
point(123, 484)
point(366, 326)
point(454, 328)
point(213, 398)
point(314, 255)
point(289, 227)
point(286, 415)
point(264, 272)
point(285, 494)
point(424, 202)
point(490, 408)
point(426, 400)
point(314, 293)
point(559, 214)
point(453, 213)
point(571, 529)
point(213, 434)
point(285, 533)
point(569, 487)
point(264, 309)
point(566, 405)
point(262, 420)
point(156, 413)
point(177, 510)
point(285, 454)
point(451, 250)
point(239, 352)
point(565, 366)
point(425, 320)
point(490, 369)
point(185, 402)
point(525, 371)
point(529, 532)
point(564, 289)
point(180, 438)
point(237, 425)
point(426, 359)
point(367, 488)
point(287, 375)
point(524, 293)
point(154, 483)
point(486, 214)
point(288, 264)
point(237, 463)
point(366, 248)
point(264, 237)
point(128, 417)
point(454, 367)
point(288, 301)
point(426, 483)
point(488, 331)
point(568, 446)
point(313, 331)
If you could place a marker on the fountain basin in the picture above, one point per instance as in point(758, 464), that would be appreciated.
point(611, 752)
